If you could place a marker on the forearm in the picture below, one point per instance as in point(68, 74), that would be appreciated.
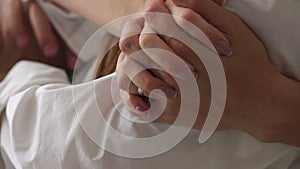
point(103, 11)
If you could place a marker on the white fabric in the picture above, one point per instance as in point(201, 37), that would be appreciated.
point(71, 27)
point(40, 128)
point(276, 23)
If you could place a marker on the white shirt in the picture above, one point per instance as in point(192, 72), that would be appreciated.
point(40, 128)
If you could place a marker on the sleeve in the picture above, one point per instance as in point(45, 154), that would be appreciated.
point(27, 74)
point(39, 127)
point(26, 91)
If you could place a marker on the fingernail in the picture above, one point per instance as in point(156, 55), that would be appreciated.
point(224, 48)
point(50, 50)
point(169, 92)
point(140, 108)
point(22, 41)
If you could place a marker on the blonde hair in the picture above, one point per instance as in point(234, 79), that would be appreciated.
point(108, 63)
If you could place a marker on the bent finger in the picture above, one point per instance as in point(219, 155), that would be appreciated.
point(129, 42)
point(163, 55)
point(191, 18)
point(43, 31)
point(143, 79)
point(14, 22)
point(223, 20)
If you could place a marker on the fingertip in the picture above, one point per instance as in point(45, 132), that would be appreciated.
point(22, 41)
point(140, 108)
point(138, 103)
point(50, 50)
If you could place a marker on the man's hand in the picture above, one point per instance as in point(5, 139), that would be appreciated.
point(18, 20)
point(27, 34)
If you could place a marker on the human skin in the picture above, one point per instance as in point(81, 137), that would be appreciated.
point(22, 27)
point(260, 100)
point(15, 18)
point(10, 54)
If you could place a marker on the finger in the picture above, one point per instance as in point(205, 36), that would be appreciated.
point(164, 56)
point(140, 104)
point(134, 102)
point(123, 80)
point(161, 24)
point(43, 31)
point(212, 12)
point(14, 22)
point(164, 76)
point(129, 42)
point(145, 80)
point(216, 37)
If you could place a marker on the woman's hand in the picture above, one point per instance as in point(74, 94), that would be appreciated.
point(130, 44)
point(260, 101)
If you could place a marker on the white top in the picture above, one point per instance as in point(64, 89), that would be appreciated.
point(40, 128)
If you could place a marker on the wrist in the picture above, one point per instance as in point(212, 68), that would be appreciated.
point(286, 99)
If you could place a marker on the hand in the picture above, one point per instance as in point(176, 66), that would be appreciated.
point(27, 28)
point(130, 45)
point(254, 87)
point(16, 15)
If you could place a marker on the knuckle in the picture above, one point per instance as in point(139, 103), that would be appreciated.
point(174, 43)
point(126, 45)
point(123, 83)
point(120, 59)
point(149, 84)
point(145, 41)
point(211, 34)
point(152, 7)
point(187, 14)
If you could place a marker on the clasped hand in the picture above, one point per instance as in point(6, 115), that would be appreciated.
point(254, 87)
